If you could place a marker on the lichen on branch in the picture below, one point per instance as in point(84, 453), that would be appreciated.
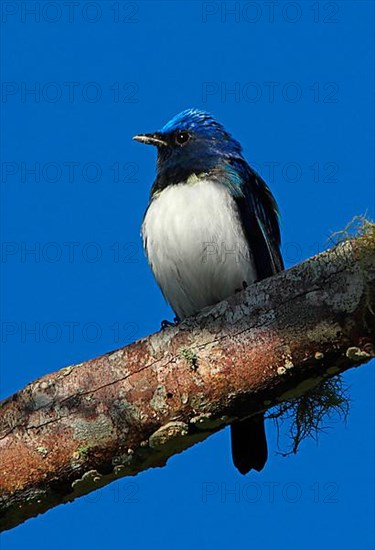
point(310, 414)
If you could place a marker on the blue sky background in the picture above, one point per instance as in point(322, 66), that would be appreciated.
point(132, 66)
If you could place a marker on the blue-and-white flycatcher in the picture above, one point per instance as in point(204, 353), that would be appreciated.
point(211, 229)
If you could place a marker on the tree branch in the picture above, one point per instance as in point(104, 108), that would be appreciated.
point(77, 429)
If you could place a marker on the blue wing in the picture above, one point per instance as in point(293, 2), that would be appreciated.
point(259, 216)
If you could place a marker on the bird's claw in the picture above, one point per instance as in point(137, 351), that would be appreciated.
point(244, 286)
point(165, 323)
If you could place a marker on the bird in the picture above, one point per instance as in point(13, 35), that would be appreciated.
point(211, 228)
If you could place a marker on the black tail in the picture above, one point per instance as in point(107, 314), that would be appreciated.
point(249, 444)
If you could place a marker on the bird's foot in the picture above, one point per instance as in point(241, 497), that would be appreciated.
point(165, 324)
point(244, 286)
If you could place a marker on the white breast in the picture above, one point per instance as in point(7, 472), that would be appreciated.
point(196, 245)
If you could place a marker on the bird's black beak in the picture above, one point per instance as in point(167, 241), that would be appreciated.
point(151, 139)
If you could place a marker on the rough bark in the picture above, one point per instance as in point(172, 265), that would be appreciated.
point(77, 429)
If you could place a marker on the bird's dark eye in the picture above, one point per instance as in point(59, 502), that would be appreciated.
point(182, 138)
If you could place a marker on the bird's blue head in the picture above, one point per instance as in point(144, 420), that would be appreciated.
point(192, 142)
